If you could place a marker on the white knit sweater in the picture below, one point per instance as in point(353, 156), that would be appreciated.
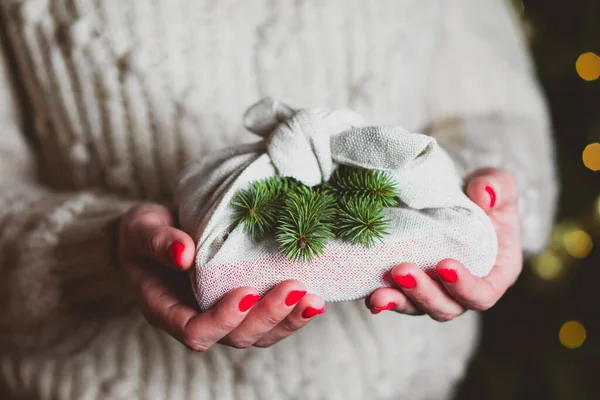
point(103, 102)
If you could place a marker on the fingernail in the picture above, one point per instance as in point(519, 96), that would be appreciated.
point(248, 301)
point(388, 306)
point(406, 281)
point(311, 312)
point(294, 297)
point(492, 196)
point(447, 274)
point(176, 251)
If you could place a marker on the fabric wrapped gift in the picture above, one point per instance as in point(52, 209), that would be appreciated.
point(432, 221)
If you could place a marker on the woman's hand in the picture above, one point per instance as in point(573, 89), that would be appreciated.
point(155, 254)
point(450, 290)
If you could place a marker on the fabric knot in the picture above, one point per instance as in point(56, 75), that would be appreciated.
point(299, 141)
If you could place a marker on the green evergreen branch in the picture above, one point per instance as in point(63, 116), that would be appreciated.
point(347, 183)
point(361, 221)
point(305, 224)
point(350, 206)
point(257, 207)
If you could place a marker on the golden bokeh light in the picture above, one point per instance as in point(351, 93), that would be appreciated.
point(578, 243)
point(558, 233)
point(588, 66)
point(591, 156)
point(548, 266)
point(597, 209)
point(572, 334)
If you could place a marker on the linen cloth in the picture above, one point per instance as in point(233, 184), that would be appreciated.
point(433, 220)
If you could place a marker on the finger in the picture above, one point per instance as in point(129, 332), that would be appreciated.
point(198, 331)
point(505, 218)
point(425, 293)
point(274, 307)
point(391, 299)
point(158, 212)
point(309, 307)
point(493, 190)
point(473, 292)
point(152, 237)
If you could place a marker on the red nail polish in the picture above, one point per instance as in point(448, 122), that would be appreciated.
point(492, 196)
point(294, 296)
point(449, 275)
point(388, 306)
point(311, 312)
point(248, 301)
point(406, 281)
point(176, 251)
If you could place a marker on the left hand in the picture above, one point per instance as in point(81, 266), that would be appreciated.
point(450, 289)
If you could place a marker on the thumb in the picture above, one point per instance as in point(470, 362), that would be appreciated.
point(493, 190)
point(151, 234)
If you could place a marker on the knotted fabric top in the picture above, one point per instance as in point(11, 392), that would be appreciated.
point(307, 144)
point(299, 141)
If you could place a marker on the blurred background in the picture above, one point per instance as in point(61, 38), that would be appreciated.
point(542, 340)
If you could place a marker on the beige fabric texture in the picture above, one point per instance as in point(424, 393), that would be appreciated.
point(104, 103)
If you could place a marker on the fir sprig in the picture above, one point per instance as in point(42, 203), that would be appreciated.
point(349, 206)
point(256, 208)
point(305, 224)
point(360, 221)
point(351, 183)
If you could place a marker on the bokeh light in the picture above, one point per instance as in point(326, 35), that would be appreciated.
point(588, 66)
point(578, 243)
point(597, 209)
point(591, 156)
point(548, 266)
point(572, 334)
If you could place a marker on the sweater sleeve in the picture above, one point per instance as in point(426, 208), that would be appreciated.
point(57, 258)
point(487, 110)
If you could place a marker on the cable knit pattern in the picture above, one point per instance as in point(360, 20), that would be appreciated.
point(120, 95)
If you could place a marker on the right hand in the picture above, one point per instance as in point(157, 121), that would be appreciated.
point(154, 254)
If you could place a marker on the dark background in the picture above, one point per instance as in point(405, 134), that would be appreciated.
point(521, 356)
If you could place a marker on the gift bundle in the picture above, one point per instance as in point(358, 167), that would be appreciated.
point(330, 201)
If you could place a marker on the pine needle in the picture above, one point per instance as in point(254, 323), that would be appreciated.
point(257, 207)
point(361, 221)
point(349, 206)
point(305, 224)
point(356, 183)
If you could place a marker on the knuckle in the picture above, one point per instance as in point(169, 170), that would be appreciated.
point(240, 342)
point(425, 299)
point(483, 306)
point(126, 223)
point(154, 299)
point(131, 223)
point(288, 325)
point(225, 325)
point(269, 318)
point(195, 345)
point(444, 316)
point(193, 342)
point(155, 242)
point(263, 344)
point(146, 289)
